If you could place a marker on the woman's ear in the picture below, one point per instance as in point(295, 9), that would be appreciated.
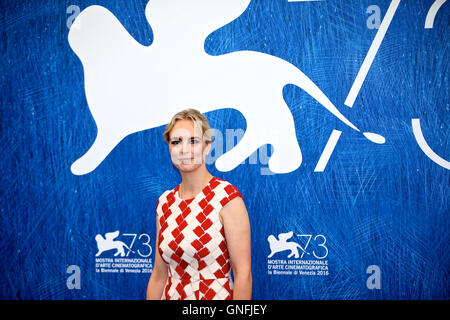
point(207, 149)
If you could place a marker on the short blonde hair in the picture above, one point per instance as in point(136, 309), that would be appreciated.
point(197, 118)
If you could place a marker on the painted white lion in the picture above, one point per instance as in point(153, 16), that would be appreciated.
point(107, 243)
point(281, 244)
point(131, 87)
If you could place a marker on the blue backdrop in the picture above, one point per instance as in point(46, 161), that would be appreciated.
point(374, 205)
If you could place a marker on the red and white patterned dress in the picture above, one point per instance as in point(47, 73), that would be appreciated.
point(192, 243)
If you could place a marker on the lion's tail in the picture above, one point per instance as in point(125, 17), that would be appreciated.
point(298, 78)
point(301, 248)
point(123, 244)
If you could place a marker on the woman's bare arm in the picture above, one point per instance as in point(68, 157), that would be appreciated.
point(158, 278)
point(237, 233)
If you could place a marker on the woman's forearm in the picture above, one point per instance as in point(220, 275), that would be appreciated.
point(242, 286)
point(155, 287)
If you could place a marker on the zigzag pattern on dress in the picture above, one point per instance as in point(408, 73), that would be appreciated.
point(192, 243)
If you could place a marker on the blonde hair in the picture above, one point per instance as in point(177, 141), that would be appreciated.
point(197, 118)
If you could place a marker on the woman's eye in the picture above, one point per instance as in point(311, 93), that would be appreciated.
point(175, 142)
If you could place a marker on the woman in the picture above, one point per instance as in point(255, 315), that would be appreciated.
point(202, 227)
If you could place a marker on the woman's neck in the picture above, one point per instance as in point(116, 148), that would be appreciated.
point(192, 183)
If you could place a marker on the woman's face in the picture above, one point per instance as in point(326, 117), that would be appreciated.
point(187, 146)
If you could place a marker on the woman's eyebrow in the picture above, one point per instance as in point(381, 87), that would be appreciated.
point(178, 138)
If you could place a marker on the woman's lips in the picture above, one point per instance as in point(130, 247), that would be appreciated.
point(186, 161)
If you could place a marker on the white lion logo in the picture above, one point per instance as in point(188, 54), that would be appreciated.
point(282, 245)
point(107, 243)
point(130, 87)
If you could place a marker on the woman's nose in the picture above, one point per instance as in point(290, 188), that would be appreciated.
point(186, 148)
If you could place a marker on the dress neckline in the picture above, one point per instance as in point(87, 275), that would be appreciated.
point(177, 189)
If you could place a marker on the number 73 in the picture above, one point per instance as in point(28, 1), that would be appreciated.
point(321, 244)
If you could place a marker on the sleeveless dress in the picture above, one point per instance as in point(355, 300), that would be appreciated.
point(192, 243)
